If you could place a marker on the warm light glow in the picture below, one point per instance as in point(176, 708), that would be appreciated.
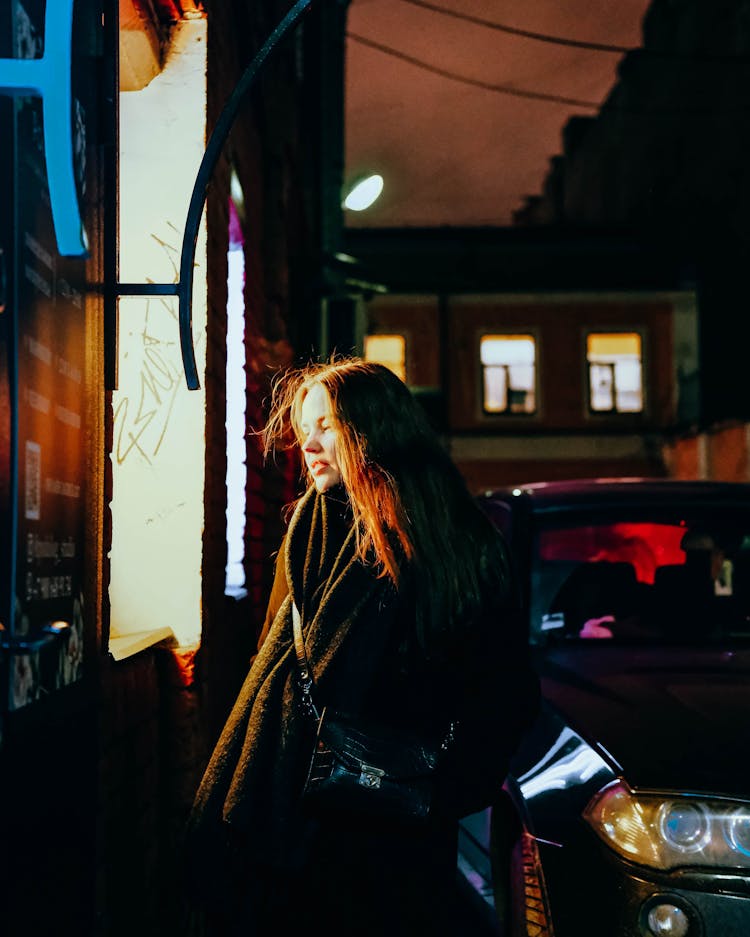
point(59, 625)
point(364, 192)
point(609, 344)
point(388, 350)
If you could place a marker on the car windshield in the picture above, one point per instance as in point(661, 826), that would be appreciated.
point(644, 579)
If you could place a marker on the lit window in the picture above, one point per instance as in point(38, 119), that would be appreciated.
point(236, 383)
point(508, 373)
point(615, 372)
point(388, 350)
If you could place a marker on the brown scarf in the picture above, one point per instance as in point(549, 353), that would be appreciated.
point(249, 793)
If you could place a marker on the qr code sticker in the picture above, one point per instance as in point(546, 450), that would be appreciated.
point(33, 480)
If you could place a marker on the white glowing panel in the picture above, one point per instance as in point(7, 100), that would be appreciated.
point(159, 425)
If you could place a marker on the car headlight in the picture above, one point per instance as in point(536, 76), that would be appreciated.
point(665, 831)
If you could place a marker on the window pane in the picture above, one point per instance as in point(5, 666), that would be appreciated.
point(509, 373)
point(615, 371)
point(507, 349)
point(628, 383)
point(614, 344)
point(495, 389)
point(601, 378)
point(388, 350)
point(522, 377)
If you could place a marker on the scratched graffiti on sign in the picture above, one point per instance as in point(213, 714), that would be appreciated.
point(142, 415)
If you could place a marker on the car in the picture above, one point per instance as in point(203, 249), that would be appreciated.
point(626, 811)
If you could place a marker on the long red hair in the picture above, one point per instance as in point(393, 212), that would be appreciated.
point(411, 507)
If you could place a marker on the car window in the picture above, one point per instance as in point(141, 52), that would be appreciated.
point(685, 579)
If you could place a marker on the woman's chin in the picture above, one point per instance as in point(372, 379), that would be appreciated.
point(325, 481)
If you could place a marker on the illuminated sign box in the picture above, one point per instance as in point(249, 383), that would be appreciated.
point(43, 355)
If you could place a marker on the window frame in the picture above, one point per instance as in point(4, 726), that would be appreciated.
point(507, 413)
point(613, 413)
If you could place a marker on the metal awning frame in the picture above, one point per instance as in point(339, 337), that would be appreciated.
point(183, 288)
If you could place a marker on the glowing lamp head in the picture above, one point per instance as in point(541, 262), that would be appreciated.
point(364, 192)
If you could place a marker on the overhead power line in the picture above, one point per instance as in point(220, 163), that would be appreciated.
point(741, 58)
point(476, 82)
point(525, 33)
point(708, 111)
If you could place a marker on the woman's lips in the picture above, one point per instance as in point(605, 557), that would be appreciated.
point(317, 466)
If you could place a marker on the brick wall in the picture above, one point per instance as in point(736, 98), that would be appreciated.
point(722, 453)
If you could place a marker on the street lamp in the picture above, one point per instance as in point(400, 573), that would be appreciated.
point(363, 192)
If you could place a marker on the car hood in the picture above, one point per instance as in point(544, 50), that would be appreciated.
point(673, 718)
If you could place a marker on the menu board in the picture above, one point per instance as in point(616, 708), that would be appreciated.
point(6, 335)
point(46, 367)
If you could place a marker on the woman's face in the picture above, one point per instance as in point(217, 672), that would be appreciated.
point(319, 438)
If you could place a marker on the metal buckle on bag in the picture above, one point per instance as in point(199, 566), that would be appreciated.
point(370, 776)
point(305, 683)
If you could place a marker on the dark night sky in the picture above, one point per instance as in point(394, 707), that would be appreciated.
point(456, 154)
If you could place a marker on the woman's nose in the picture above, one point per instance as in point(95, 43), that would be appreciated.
point(311, 443)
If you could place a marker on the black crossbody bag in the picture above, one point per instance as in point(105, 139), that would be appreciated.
point(362, 766)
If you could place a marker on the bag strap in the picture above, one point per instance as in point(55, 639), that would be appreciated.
point(305, 678)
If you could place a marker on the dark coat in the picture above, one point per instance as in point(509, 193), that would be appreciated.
point(360, 640)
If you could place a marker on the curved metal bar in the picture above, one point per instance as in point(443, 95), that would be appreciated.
point(198, 198)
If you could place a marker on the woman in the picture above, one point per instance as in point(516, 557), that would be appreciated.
point(409, 612)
